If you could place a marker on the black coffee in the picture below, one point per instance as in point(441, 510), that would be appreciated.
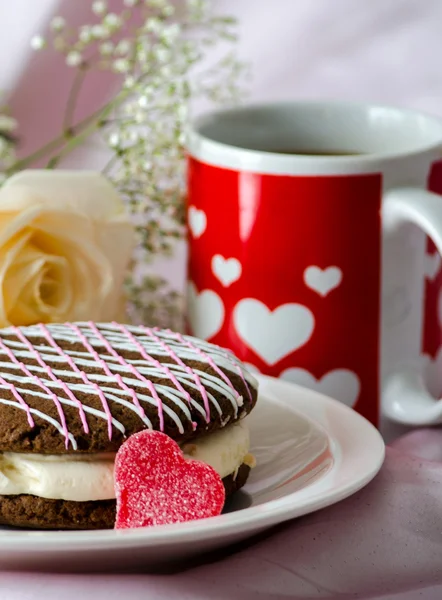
point(314, 152)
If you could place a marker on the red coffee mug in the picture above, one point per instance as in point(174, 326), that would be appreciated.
point(308, 227)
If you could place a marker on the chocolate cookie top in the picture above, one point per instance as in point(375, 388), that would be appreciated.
point(87, 386)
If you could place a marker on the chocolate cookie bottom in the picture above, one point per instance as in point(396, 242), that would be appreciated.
point(34, 512)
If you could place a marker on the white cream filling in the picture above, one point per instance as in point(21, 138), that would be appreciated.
point(91, 477)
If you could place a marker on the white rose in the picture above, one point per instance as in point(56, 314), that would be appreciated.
point(65, 246)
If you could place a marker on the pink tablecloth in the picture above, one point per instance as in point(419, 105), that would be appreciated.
point(383, 540)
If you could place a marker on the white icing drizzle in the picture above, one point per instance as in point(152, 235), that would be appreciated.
point(148, 345)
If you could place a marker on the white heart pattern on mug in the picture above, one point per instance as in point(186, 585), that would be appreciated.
point(341, 384)
point(432, 264)
point(273, 334)
point(227, 270)
point(322, 281)
point(197, 221)
point(205, 311)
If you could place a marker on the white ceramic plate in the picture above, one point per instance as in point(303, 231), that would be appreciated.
point(311, 451)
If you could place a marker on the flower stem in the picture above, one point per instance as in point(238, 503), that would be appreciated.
point(72, 137)
point(73, 143)
point(107, 168)
point(54, 144)
point(73, 96)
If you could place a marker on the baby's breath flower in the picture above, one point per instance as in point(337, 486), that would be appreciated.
point(181, 112)
point(121, 65)
point(58, 24)
point(129, 82)
point(143, 101)
point(123, 47)
point(7, 123)
point(99, 7)
point(112, 20)
point(197, 4)
point(144, 123)
point(114, 140)
point(170, 34)
point(166, 71)
point(99, 32)
point(142, 54)
point(85, 33)
point(107, 48)
point(153, 25)
point(38, 42)
point(162, 54)
point(74, 59)
point(168, 11)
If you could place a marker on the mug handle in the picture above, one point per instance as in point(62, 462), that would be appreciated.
point(405, 397)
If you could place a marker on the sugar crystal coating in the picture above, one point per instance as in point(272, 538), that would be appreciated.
point(155, 485)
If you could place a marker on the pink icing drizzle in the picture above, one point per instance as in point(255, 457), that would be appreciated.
point(239, 371)
point(42, 363)
point(102, 363)
point(188, 370)
point(13, 389)
point(63, 385)
point(134, 371)
point(157, 364)
point(124, 363)
point(51, 374)
point(83, 375)
point(214, 366)
point(106, 369)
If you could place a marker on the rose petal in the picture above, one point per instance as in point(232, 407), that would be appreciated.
point(12, 223)
point(25, 311)
point(24, 286)
point(53, 292)
point(92, 272)
point(9, 295)
point(86, 192)
point(73, 217)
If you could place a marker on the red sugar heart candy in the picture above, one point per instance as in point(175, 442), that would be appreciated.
point(155, 485)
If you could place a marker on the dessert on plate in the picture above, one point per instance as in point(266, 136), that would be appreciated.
point(72, 394)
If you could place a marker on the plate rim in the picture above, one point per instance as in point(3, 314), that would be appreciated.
point(257, 518)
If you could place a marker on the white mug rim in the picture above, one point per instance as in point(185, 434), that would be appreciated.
point(211, 151)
